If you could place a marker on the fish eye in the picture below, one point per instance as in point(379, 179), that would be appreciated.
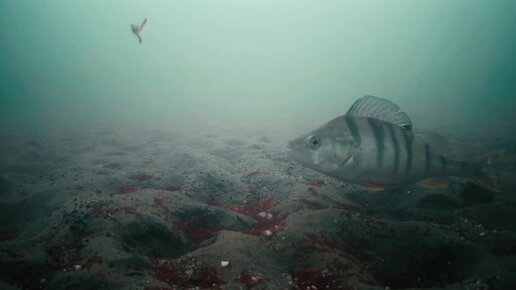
point(315, 141)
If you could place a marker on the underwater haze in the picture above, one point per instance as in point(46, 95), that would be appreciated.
point(257, 144)
point(272, 64)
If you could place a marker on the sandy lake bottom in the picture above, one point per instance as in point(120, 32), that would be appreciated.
point(163, 210)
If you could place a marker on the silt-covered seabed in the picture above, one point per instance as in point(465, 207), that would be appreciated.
point(160, 210)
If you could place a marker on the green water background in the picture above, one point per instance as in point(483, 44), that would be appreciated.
point(275, 65)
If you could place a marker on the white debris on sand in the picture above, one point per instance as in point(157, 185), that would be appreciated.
point(224, 264)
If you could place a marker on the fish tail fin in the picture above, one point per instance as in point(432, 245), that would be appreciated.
point(480, 175)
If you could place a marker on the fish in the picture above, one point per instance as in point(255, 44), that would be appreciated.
point(136, 29)
point(373, 144)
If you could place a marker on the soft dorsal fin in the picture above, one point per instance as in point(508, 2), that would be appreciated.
point(381, 109)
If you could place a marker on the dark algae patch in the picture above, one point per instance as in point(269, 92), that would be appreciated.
point(427, 265)
point(185, 273)
point(149, 238)
point(197, 225)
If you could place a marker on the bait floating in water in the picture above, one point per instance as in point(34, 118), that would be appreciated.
point(136, 29)
point(373, 145)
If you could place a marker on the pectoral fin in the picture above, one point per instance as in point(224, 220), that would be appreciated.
point(487, 183)
point(373, 186)
point(434, 183)
point(480, 176)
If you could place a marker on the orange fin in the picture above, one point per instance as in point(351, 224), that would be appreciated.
point(373, 186)
point(434, 183)
point(487, 183)
point(481, 178)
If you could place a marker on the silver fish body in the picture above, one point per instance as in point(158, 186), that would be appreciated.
point(373, 143)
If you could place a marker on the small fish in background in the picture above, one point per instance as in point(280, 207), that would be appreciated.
point(373, 145)
point(137, 29)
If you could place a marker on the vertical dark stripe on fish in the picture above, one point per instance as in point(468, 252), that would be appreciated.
point(408, 145)
point(428, 157)
point(444, 163)
point(377, 128)
point(354, 129)
point(396, 145)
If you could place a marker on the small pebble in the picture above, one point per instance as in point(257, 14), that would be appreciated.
point(265, 215)
point(224, 264)
point(267, 233)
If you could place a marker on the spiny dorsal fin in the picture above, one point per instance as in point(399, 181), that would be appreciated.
point(381, 109)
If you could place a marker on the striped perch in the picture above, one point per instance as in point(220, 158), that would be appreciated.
point(373, 144)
